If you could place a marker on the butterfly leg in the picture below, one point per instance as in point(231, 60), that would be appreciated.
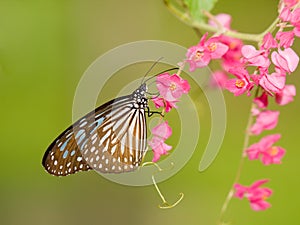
point(150, 113)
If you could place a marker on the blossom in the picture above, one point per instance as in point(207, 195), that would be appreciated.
point(266, 120)
point(286, 95)
point(265, 151)
point(262, 101)
point(160, 133)
point(159, 148)
point(172, 87)
point(295, 17)
point(255, 57)
point(255, 194)
point(273, 83)
point(162, 130)
point(223, 18)
point(285, 14)
point(241, 84)
point(295, 20)
point(269, 42)
point(287, 60)
point(232, 57)
point(161, 102)
point(200, 55)
point(297, 31)
point(285, 38)
point(290, 3)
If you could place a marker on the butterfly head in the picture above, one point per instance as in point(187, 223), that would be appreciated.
point(139, 96)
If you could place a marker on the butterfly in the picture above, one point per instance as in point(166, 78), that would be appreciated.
point(110, 139)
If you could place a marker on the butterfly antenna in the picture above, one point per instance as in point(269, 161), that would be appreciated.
point(175, 68)
point(149, 70)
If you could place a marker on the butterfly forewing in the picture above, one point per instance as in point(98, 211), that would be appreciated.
point(111, 139)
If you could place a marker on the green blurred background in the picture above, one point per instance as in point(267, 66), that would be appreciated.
point(45, 46)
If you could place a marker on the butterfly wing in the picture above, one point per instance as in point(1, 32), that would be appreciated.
point(111, 139)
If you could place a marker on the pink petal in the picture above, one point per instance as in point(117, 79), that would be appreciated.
point(253, 152)
point(269, 41)
point(162, 130)
point(203, 39)
point(219, 51)
point(285, 14)
point(258, 183)
point(290, 3)
point(240, 190)
point(295, 17)
point(297, 31)
point(249, 51)
point(262, 101)
point(230, 85)
point(267, 141)
point(223, 19)
point(286, 95)
point(273, 83)
point(291, 58)
point(279, 61)
point(286, 38)
point(159, 148)
point(270, 157)
point(158, 102)
point(260, 205)
point(170, 105)
point(266, 120)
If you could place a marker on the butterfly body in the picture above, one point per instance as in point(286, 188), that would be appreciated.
point(110, 139)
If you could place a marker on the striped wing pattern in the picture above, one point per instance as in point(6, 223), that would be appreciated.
point(111, 139)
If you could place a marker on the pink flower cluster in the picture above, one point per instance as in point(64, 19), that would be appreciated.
point(264, 70)
point(171, 88)
point(255, 194)
point(200, 55)
point(291, 16)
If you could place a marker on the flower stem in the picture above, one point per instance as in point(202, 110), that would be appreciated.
point(240, 167)
point(185, 17)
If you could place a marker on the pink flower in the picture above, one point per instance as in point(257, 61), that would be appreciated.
point(232, 57)
point(223, 18)
point(218, 79)
point(269, 42)
point(266, 120)
point(241, 84)
point(160, 133)
point(286, 38)
point(200, 55)
point(172, 87)
point(295, 17)
point(297, 31)
point(290, 3)
point(162, 130)
point(262, 101)
point(255, 194)
point(272, 83)
point(285, 14)
point(255, 57)
point(159, 148)
point(286, 95)
point(287, 60)
point(161, 102)
point(265, 151)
